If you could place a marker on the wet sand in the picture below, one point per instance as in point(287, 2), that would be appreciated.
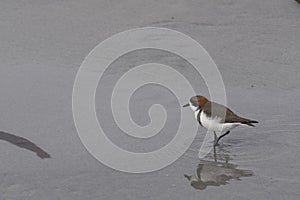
point(256, 47)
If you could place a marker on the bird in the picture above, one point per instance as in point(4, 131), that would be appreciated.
point(216, 117)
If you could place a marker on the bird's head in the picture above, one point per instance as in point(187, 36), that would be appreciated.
point(195, 182)
point(196, 102)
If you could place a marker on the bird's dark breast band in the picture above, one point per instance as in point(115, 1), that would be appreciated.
point(198, 117)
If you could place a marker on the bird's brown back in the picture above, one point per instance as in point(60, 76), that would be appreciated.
point(213, 110)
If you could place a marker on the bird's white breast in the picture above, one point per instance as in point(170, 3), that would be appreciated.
point(215, 124)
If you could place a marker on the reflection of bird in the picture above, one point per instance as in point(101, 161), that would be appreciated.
point(23, 143)
point(216, 117)
point(211, 173)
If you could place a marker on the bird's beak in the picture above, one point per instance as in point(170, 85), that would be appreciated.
point(188, 177)
point(186, 105)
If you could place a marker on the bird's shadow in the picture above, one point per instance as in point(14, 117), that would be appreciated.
point(24, 143)
point(216, 171)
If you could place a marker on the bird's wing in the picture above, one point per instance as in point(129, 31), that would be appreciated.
point(225, 114)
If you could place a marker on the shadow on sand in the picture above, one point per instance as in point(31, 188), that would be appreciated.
point(216, 173)
point(24, 143)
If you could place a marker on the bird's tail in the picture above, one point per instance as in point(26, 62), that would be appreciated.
point(249, 122)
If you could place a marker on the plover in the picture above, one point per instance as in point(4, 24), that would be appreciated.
point(216, 117)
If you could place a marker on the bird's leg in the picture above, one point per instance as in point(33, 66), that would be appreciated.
point(215, 137)
point(215, 154)
point(221, 137)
